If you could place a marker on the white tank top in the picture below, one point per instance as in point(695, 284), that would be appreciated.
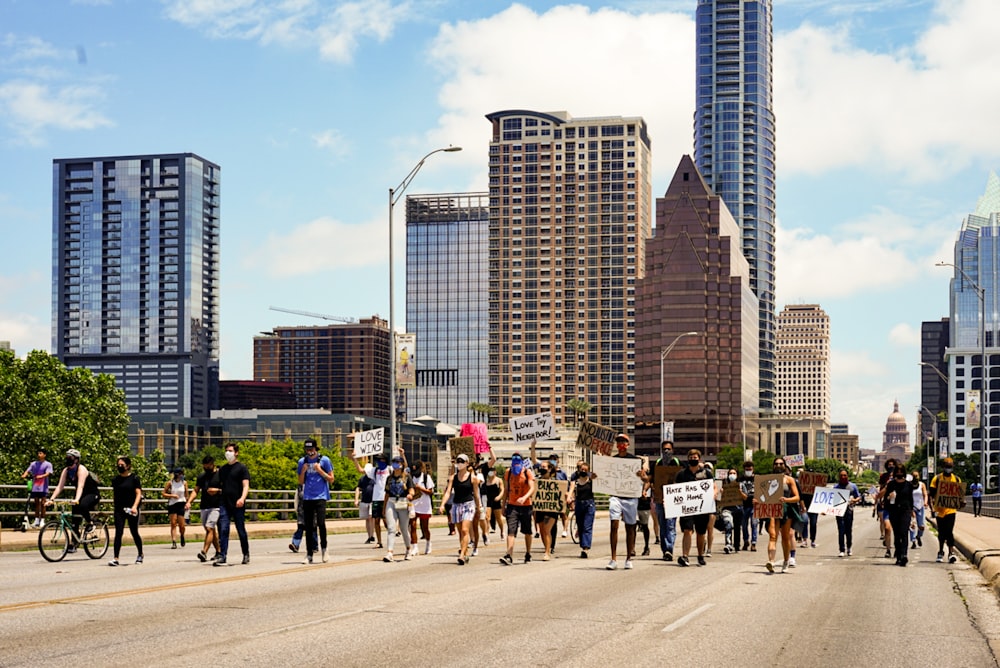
point(918, 497)
point(178, 489)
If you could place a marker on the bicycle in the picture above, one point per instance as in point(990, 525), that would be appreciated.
point(57, 535)
point(574, 530)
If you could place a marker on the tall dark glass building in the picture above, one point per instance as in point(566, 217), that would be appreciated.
point(447, 303)
point(734, 142)
point(135, 276)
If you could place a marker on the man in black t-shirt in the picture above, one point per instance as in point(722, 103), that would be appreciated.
point(234, 479)
point(210, 489)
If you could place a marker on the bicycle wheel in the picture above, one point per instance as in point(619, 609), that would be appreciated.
point(96, 543)
point(53, 541)
point(574, 528)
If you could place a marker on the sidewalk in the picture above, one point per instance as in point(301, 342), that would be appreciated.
point(978, 539)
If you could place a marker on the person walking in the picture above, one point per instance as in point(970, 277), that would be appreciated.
point(176, 493)
point(783, 525)
point(88, 493)
point(749, 524)
point(945, 516)
point(40, 471)
point(694, 524)
point(845, 522)
point(127, 495)
point(208, 486)
point(423, 507)
point(546, 520)
point(363, 502)
point(920, 501)
point(398, 495)
point(897, 498)
point(315, 475)
point(732, 516)
point(667, 526)
point(624, 509)
point(234, 480)
point(581, 498)
point(379, 473)
point(494, 493)
point(883, 511)
point(463, 487)
point(976, 490)
point(518, 491)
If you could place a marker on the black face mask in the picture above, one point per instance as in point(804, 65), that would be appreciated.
point(70, 461)
point(121, 468)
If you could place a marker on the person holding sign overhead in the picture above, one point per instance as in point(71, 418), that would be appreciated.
point(945, 511)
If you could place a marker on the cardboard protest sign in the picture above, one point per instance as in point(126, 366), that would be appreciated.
point(949, 494)
point(596, 438)
point(369, 443)
point(617, 476)
point(793, 461)
point(830, 501)
point(808, 481)
point(768, 492)
point(464, 445)
point(731, 495)
point(540, 427)
point(663, 475)
point(550, 497)
point(689, 498)
point(477, 430)
point(721, 473)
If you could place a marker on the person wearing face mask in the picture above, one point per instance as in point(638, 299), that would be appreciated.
point(920, 500)
point(845, 522)
point(88, 494)
point(897, 498)
point(379, 473)
point(693, 524)
point(423, 492)
point(783, 525)
point(234, 480)
point(667, 526)
point(880, 506)
point(398, 495)
point(176, 493)
point(127, 494)
point(732, 517)
point(494, 492)
point(519, 487)
point(210, 489)
point(581, 498)
point(465, 503)
point(945, 516)
point(315, 475)
point(749, 524)
point(624, 509)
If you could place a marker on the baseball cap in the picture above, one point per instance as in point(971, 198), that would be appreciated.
point(310, 444)
point(621, 437)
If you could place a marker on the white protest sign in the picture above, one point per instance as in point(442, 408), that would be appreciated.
point(689, 498)
point(540, 427)
point(368, 443)
point(794, 461)
point(830, 501)
point(617, 476)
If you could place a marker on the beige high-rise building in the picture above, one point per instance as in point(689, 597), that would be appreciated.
point(570, 212)
point(802, 362)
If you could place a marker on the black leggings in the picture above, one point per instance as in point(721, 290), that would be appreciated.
point(87, 503)
point(133, 526)
point(946, 529)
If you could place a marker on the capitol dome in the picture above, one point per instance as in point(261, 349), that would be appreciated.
point(896, 433)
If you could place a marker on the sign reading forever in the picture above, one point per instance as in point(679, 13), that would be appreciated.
point(949, 494)
point(808, 481)
point(368, 443)
point(540, 427)
point(689, 498)
point(830, 501)
point(596, 438)
point(617, 476)
point(550, 497)
point(767, 493)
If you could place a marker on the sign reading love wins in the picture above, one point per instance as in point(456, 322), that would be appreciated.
point(368, 443)
point(689, 498)
point(768, 491)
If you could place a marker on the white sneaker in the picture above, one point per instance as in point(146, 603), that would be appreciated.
point(475, 551)
point(427, 548)
point(791, 562)
point(850, 552)
point(325, 558)
point(564, 534)
point(841, 554)
point(784, 567)
point(406, 557)
point(628, 564)
point(612, 565)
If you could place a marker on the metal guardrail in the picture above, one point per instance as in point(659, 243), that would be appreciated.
point(991, 505)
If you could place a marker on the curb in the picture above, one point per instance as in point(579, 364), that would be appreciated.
point(985, 558)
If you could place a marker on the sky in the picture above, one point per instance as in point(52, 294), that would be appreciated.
point(886, 135)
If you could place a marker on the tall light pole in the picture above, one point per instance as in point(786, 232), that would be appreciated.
point(935, 434)
point(984, 428)
point(663, 355)
point(934, 417)
point(394, 195)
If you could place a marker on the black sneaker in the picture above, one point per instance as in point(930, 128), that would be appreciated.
point(506, 560)
point(202, 557)
point(888, 553)
point(701, 560)
point(583, 554)
point(527, 557)
point(667, 556)
point(182, 541)
point(295, 548)
point(920, 543)
point(682, 561)
point(371, 539)
point(246, 559)
point(221, 561)
point(645, 551)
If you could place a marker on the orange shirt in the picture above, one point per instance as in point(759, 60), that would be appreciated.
point(518, 486)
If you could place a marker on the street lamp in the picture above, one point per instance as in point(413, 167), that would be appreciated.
point(394, 195)
point(934, 417)
point(663, 355)
point(935, 370)
point(984, 399)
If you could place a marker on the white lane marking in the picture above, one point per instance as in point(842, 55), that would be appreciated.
point(686, 618)
point(292, 627)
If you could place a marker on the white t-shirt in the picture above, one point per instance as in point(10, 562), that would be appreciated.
point(423, 505)
point(378, 492)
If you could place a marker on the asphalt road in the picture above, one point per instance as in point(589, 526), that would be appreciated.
point(357, 611)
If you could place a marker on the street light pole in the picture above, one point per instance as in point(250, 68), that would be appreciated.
point(394, 195)
point(984, 428)
point(934, 440)
point(934, 417)
point(663, 355)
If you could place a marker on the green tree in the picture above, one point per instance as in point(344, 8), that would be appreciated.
point(43, 404)
point(730, 457)
point(579, 408)
point(867, 477)
point(831, 467)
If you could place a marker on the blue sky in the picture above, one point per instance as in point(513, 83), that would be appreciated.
point(886, 134)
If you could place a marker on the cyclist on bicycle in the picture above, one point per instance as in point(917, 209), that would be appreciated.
point(87, 494)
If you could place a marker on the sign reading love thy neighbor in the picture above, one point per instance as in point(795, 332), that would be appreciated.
point(808, 481)
point(538, 427)
point(767, 493)
point(793, 461)
point(369, 443)
point(689, 498)
point(596, 438)
point(950, 494)
point(617, 476)
point(550, 497)
point(830, 501)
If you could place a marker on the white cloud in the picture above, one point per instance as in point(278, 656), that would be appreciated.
point(332, 141)
point(29, 108)
point(321, 245)
point(905, 334)
point(28, 48)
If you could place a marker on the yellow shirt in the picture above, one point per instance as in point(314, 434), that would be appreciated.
point(942, 512)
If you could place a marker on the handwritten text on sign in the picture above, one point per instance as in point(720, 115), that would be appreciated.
point(596, 438)
point(768, 491)
point(617, 476)
point(689, 498)
point(541, 427)
point(808, 481)
point(794, 461)
point(830, 501)
point(550, 497)
point(949, 494)
point(369, 443)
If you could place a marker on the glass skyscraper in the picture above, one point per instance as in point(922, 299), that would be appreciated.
point(447, 303)
point(135, 276)
point(734, 142)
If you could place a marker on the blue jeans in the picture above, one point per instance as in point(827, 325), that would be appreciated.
point(845, 530)
point(237, 517)
point(585, 522)
point(749, 526)
point(919, 531)
point(300, 530)
point(668, 530)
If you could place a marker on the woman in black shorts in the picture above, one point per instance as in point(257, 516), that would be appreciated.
point(546, 520)
point(494, 492)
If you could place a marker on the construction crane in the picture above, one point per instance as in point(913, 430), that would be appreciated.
point(321, 316)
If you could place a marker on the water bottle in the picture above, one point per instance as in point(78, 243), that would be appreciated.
point(128, 510)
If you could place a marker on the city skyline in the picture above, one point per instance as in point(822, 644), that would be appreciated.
point(321, 111)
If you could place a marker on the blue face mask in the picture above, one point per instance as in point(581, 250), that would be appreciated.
point(396, 466)
point(381, 465)
point(516, 466)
